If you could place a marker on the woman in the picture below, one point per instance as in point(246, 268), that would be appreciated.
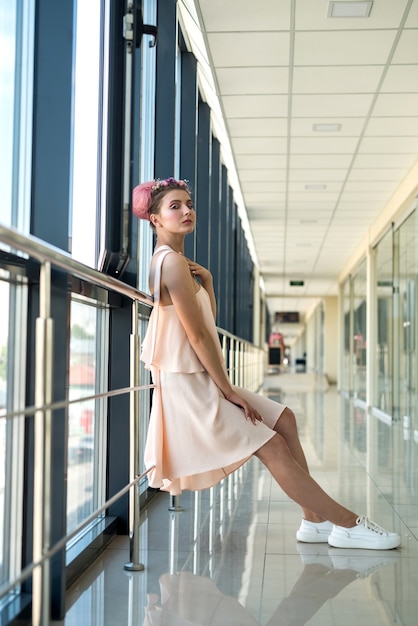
point(201, 427)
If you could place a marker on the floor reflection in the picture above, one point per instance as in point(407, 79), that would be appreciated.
point(187, 599)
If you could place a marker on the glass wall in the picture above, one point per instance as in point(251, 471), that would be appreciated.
point(4, 295)
point(354, 331)
point(407, 265)
point(346, 369)
point(87, 418)
point(87, 137)
point(16, 86)
point(13, 322)
point(359, 336)
point(384, 355)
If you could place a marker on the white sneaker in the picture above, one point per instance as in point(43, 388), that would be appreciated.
point(314, 532)
point(365, 534)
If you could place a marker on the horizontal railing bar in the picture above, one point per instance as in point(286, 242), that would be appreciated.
point(26, 572)
point(41, 251)
point(61, 404)
point(28, 411)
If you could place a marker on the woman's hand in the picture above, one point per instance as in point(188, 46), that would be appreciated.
point(199, 272)
point(249, 411)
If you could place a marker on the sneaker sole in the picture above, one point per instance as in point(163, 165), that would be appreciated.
point(366, 544)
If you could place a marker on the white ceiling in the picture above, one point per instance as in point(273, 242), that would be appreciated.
point(272, 69)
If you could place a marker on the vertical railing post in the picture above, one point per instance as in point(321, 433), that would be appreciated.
point(175, 505)
point(134, 564)
point(42, 451)
point(232, 360)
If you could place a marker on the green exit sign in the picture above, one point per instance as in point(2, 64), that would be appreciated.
point(297, 283)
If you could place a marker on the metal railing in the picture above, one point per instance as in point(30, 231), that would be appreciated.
point(245, 365)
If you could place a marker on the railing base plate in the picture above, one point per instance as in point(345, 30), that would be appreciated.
point(134, 567)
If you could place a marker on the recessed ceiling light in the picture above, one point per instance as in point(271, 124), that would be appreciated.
point(308, 221)
point(315, 187)
point(349, 9)
point(326, 128)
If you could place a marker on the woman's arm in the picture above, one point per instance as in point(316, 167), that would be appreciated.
point(206, 280)
point(177, 279)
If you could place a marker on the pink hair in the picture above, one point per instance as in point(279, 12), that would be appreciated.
point(143, 196)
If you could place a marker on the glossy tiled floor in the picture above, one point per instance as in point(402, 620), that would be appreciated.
point(231, 557)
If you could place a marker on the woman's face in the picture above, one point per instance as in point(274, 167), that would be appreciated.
point(176, 214)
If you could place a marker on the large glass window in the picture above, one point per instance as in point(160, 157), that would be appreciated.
point(87, 137)
point(16, 85)
point(359, 337)
point(408, 325)
point(347, 349)
point(87, 418)
point(13, 322)
point(4, 324)
point(384, 356)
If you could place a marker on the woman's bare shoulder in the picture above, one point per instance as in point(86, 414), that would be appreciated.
point(174, 273)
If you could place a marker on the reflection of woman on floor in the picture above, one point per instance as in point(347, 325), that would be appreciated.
point(190, 600)
point(316, 585)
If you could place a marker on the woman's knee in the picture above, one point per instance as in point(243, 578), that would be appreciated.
point(286, 422)
point(273, 447)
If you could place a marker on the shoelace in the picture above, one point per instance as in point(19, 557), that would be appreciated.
point(364, 521)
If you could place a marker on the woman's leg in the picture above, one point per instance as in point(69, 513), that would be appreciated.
point(286, 426)
point(296, 482)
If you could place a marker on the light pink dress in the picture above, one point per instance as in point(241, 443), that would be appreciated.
point(196, 437)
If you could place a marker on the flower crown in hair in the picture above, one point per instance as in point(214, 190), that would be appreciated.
point(168, 182)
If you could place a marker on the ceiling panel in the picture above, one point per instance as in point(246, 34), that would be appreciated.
point(323, 145)
point(270, 186)
point(403, 104)
point(262, 176)
point(340, 47)
point(249, 49)
point(407, 49)
point(412, 19)
point(334, 79)
point(274, 70)
point(371, 174)
point(259, 145)
point(398, 126)
point(404, 161)
point(367, 186)
point(308, 161)
point(258, 127)
point(389, 145)
point(261, 161)
point(401, 78)
point(237, 15)
point(253, 80)
point(332, 105)
point(255, 105)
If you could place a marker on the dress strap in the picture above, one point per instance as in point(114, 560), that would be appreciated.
point(158, 266)
point(157, 290)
